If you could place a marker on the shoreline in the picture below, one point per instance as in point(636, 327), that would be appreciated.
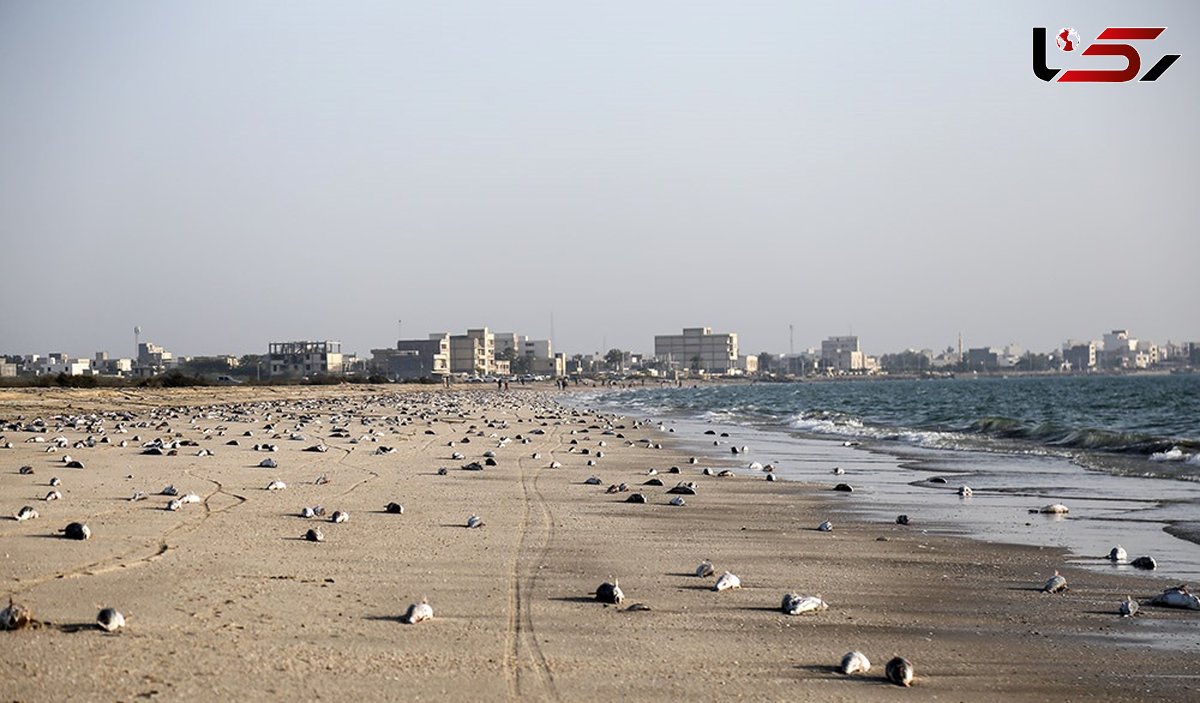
point(514, 614)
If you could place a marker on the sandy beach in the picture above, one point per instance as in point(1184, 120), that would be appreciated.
point(225, 599)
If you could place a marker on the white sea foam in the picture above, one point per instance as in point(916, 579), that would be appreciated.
point(1173, 454)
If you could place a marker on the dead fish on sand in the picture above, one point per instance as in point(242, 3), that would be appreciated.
point(15, 616)
point(610, 593)
point(417, 612)
point(727, 581)
point(110, 620)
point(854, 663)
point(796, 604)
point(899, 671)
point(1177, 597)
point(1056, 584)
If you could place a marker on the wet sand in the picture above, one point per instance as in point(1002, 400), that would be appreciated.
point(224, 598)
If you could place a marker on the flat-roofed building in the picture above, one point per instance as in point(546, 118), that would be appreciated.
point(414, 359)
point(306, 358)
point(842, 355)
point(698, 349)
point(473, 352)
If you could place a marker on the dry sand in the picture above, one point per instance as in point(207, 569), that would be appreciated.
point(225, 600)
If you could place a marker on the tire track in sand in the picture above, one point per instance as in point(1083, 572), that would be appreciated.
point(522, 653)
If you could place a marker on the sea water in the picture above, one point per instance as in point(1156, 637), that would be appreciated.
point(1122, 452)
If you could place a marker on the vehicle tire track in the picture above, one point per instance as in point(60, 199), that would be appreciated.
point(521, 645)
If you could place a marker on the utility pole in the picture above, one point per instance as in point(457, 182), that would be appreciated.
point(791, 339)
point(399, 330)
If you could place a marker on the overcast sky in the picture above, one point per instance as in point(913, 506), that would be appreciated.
point(226, 174)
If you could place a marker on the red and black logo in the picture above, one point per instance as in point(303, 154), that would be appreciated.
point(1067, 41)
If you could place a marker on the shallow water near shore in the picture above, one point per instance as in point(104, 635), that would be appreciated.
point(891, 478)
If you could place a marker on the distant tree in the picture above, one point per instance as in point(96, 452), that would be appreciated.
point(613, 358)
point(766, 362)
point(696, 361)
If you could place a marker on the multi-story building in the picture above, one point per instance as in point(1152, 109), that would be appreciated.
point(306, 358)
point(984, 358)
point(1080, 356)
point(698, 349)
point(842, 355)
point(152, 356)
point(473, 352)
point(414, 358)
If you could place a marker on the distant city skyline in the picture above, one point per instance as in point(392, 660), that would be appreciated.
point(228, 174)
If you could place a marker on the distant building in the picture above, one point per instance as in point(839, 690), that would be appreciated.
point(984, 358)
point(414, 358)
point(111, 367)
point(8, 369)
point(56, 363)
point(842, 355)
point(748, 364)
point(473, 352)
point(153, 357)
point(698, 349)
point(306, 358)
point(1080, 356)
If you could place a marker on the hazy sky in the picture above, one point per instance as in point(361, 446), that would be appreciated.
point(227, 174)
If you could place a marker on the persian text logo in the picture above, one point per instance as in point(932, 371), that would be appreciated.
point(1068, 40)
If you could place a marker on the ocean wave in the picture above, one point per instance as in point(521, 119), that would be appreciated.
point(1172, 454)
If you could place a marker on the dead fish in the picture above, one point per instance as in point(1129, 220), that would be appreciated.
point(15, 616)
point(1128, 607)
point(705, 569)
point(796, 604)
point(1177, 597)
point(610, 593)
point(314, 535)
point(899, 671)
point(110, 620)
point(26, 513)
point(854, 663)
point(394, 508)
point(727, 581)
point(1056, 584)
point(77, 530)
point(1146, 563)
point(417, 612)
